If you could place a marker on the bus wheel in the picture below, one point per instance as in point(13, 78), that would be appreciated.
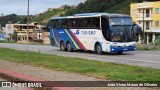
point(120, 52)
point(69, 48)
point(98, 49)
point(62, 47)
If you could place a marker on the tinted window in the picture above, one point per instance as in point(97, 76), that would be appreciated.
point(64, 23)
point(78, 23)
point(120, 21)
point(56, 24)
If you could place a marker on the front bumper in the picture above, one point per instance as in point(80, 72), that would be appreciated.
point(122, 48)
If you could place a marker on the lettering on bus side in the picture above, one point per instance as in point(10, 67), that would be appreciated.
point(88, 32)
point(78, 32)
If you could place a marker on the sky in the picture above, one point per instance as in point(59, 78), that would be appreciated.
point(19, 7)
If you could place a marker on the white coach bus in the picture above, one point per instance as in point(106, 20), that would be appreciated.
point(99, 32)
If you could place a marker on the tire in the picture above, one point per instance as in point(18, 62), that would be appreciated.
point(120, 52)
point(69, 48)
point(99, 49)
point(62, 47)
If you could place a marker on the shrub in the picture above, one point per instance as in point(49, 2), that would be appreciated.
point(157, 41)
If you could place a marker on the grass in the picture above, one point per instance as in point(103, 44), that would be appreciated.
point(104, 70)
point(36, 43)
point(148, 47)
point(6, 41)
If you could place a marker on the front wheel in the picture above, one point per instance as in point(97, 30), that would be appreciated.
point(69, 48)
point(99, 49)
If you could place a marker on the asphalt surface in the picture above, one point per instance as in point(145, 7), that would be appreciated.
point(137, 58)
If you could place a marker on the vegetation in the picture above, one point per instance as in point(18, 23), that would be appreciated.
point(139, 1)
point(45, 17)
point(91, 6)
point(105, 70)
point(157, 41)
point(13, 18)
point(120, 8)
point(6, 41)
point(148, 47)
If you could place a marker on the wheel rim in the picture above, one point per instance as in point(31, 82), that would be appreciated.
point(68, 46)
point(98, 49)
point(62, 46)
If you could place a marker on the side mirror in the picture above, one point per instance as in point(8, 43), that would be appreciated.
point(137, 28)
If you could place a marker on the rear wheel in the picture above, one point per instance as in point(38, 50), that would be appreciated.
point(99, 49)
point(69, 48)
point(62, 47)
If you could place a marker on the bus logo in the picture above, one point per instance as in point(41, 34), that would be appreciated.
point(77, 32)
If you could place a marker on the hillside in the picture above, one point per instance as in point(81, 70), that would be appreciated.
point(45, 17)
point(87, 7)
point(121, 8)
point(90, 6)
point(17, 19)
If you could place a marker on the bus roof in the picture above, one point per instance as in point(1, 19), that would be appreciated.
point(92, 15)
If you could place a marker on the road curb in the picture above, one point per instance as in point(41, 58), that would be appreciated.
point(13, 76)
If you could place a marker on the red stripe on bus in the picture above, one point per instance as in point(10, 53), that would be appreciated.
point(57, 36)
point(78, 41)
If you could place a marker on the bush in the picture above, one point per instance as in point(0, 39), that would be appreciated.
point(157, 41)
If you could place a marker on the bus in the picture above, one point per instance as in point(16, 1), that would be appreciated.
point(99, 32)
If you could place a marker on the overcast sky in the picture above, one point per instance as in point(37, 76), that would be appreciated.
point(19, 7)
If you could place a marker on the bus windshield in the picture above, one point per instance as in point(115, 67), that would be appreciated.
point(122, 33)
point(121, 21)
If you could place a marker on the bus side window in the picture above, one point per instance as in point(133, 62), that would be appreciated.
point(87, 23)
point(59, 24)
point(74, 23)
point(80, 23)
point(70, 23)
point(65, 23)
point(54, 24)
point(96, 23)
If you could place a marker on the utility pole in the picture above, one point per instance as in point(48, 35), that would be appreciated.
point(28, 22)
point(143, 29)
point(1, 22)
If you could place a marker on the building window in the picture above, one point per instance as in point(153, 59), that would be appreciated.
point(157, 10)
point(147, 25)
point(156, 23)
point(147, 13)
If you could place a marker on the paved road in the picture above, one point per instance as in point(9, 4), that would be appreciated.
point(138, 58)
